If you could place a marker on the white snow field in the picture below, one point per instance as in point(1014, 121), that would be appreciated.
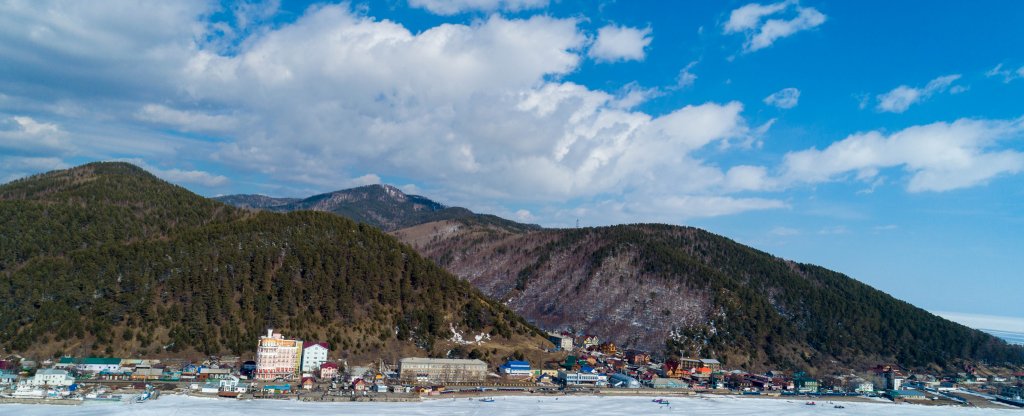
point(513, 405)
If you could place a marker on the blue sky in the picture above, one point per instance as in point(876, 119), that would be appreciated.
point(885, 141)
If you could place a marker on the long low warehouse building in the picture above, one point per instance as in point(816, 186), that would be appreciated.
point(441, 370)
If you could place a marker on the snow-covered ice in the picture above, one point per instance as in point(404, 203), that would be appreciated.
point(512, 405)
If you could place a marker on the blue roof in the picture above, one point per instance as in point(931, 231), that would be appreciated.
point(516, 364)
point(586, 369)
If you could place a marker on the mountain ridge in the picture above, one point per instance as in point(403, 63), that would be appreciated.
point(381, 205)
point(690, 292)
point(105, 258)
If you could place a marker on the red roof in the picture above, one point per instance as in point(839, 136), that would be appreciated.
point(328, 365)
point(307, 379)
point(320, 343)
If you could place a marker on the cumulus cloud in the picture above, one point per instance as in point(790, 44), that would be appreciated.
point(475, 112)
point(749, 178)
point(784, 98)
point(938, 156)
point(761, 32)
point(1006, 74)
point(902, 97)
point(620, 43)
point(451, 7)
point(451, 101)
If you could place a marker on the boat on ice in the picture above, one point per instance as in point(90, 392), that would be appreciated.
point(27, 392)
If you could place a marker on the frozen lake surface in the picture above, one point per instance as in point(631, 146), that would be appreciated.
point(517, 405)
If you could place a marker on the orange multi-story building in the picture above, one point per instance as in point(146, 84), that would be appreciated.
point(277, 357)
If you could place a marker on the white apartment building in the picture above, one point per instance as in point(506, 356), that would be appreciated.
point(51, 378)
point(313, 355)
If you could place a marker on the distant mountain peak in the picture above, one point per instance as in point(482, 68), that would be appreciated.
point(380, 205)
point(392, 190)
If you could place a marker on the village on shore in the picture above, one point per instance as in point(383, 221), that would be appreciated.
point(285, 368)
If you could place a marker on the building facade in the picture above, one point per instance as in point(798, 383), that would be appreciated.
point(51, 378)
point(277, 357)
point(562, 342)
point(441, 370)
point(90, 364)
point(313, 355)
point(582, 377)
point(514, 368)
point(328, 370)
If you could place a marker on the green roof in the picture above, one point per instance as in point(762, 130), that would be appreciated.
point(90, 360)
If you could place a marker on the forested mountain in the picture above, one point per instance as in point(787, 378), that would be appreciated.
point(686, 291)
point(255, 201)
point(382, 206)
point(107, 259)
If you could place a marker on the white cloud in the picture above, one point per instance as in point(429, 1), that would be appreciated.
point(181, 176)
point(784, 98)
point(685, 77)
point(15, 167)
point(451, 7)
point(748, 178)
point(978, 321)
point(1006, 74)
point(902, 97)
point(24, 134)
point(524, 216)
point(938, 156)
point(468, 105)
point(748, 17)
point(702, 206)
point(186, 120)
point(633, 94)
point(477, 112)
point(196, 177)
point(761, 33)
point(367, 179)
point(620, 43)
point(652, 207)
point(114, 50)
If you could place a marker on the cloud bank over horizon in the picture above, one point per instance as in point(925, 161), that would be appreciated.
point(482, 112)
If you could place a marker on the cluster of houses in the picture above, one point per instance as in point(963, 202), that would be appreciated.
point(284, 365)
point(601, 364)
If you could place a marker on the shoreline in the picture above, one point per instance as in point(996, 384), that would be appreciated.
point(640, 395)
